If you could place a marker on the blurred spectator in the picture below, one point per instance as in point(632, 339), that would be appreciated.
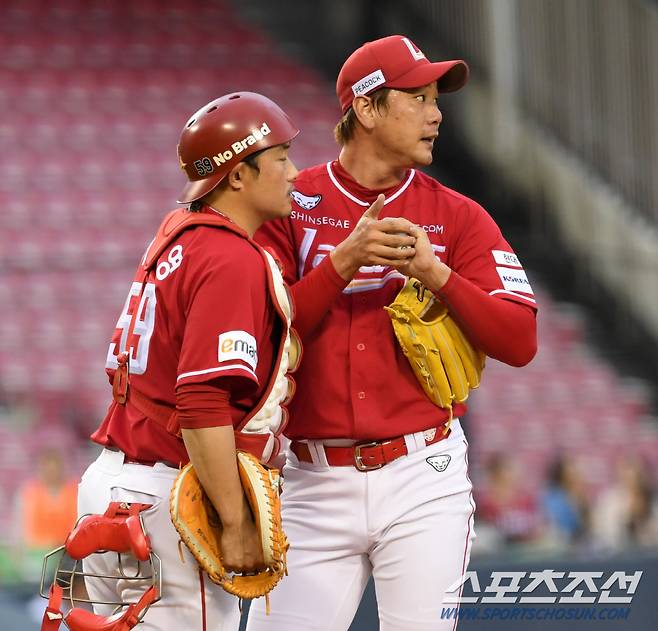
point(505, 506)
point(627, 513)
point(565, 503)
point(46, 510)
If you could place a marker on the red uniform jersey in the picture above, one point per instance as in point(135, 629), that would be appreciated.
point(205, 313)
point(354, 381)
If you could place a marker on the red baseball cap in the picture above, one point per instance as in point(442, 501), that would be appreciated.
point(394, 62)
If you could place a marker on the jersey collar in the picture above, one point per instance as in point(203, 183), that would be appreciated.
point(342, 180)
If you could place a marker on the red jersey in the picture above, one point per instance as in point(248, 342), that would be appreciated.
point(354, 381)
point(205, 313)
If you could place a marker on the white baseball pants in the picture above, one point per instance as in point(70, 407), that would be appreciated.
point(410, 524)
point(107, 480)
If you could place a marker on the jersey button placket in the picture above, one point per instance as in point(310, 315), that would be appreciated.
point(358, 361)
point(359, 303)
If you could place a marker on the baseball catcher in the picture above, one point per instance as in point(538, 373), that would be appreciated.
point(200, 364)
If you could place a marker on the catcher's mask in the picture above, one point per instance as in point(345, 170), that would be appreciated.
point(119, 531)
point(223, 133)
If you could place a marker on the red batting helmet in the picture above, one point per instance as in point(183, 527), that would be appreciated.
point(223, 133)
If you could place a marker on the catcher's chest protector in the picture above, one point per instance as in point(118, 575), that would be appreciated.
point(259, 430)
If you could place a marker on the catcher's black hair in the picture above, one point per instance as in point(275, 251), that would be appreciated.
point(251, 159)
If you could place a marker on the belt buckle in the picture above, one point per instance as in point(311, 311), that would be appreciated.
point(358, 460)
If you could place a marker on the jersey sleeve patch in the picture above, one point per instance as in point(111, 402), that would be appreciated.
point(514, 280)
point(506, 258)
point(237, 345)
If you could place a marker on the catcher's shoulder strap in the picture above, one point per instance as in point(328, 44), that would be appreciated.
point(178, 221)
point(174, 223)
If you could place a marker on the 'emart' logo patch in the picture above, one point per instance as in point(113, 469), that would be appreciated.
point(238, 345)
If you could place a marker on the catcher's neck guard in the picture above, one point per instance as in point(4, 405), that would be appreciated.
point(120, 530)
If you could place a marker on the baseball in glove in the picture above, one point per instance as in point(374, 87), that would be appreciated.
point(200, 529)
point(443, 360)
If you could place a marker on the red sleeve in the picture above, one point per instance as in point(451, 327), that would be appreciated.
point(316, 291)
point(225, 282)
point(202, 405)
point(314, 294)
point(481, 255)
point(504, 330)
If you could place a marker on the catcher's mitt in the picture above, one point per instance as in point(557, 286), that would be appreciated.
point(443, 360)
point(199, 526)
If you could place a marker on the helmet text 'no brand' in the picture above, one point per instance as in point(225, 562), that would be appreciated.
point(204, 165)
